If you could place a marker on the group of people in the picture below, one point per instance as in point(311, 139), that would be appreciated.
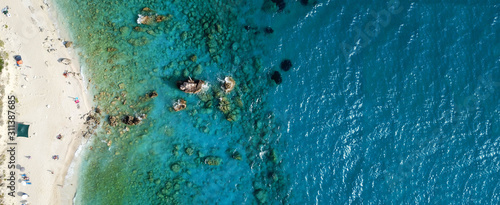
point(26, 179)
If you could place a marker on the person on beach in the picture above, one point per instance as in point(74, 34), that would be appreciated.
point(55, 157)
point(76, 100)
point(65, 73)
point(6, 11)
point(59, 136)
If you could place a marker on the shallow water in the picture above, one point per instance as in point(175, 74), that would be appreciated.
point(385, 102)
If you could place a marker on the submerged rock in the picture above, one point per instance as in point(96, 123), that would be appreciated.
point(153, 94)
point(193, 58)
point(286, 65)
point(176, 167)
point(229, 84)
point(268, 30)
point(236, 155)
point(261, 195)
point(277, 77)
point(113, 120)
point(189, 151)
point(111, 49)
point(213, 161)
point(191, 86)
point(180, 105)
point(131, 120)
point(280, 3)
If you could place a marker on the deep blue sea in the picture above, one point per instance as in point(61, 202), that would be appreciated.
point(386, 102)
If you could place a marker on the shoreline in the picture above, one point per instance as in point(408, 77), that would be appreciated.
point(46, 103)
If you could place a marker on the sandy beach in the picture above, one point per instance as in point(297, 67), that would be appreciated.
point(45, 100)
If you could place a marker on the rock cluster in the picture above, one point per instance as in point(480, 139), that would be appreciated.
point(149, 17)
point(191, 86)
point(131, 120)
point(113, 120)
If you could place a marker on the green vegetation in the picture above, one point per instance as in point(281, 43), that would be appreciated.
point(2, 63)
point(3, 55)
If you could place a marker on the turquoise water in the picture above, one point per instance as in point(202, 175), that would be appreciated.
point(386, 102)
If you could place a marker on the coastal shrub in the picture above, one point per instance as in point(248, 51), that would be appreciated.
point(2, 63)
point(1, 43)
point(3, 55)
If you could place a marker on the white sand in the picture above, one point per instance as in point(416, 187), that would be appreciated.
point(45, 102)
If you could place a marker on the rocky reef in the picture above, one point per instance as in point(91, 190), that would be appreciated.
point(206, 40)
point(131, 120)
point(148, 16)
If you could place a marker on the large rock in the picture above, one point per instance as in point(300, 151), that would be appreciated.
point(146, 20)
point(229, 84)
point(180, 105)
point(191, 86)
point(68, 44)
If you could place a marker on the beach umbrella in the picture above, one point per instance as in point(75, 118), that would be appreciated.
point(19, 60)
